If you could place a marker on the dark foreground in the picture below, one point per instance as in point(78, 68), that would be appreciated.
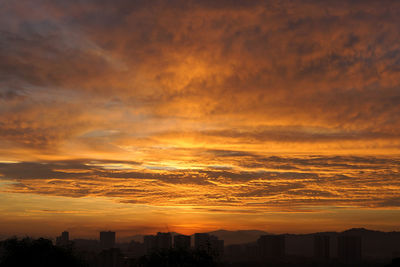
point(42, 252)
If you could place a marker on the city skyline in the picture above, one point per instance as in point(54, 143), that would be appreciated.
point(358, 247)
point(231, 236)
point(352, 245)
point(192, 116)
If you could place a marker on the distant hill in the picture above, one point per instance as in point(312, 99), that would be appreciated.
point(127, 239)
point(375, 244)
point(138, 238)
point(230, 237)
point(238, 237)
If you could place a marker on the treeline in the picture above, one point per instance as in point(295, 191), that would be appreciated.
point(41, 252)
point(36, 252)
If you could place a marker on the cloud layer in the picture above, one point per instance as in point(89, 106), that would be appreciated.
point(253, 105)
point(253, 182)
point(322, 75)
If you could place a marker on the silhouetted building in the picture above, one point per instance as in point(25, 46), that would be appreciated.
point(271, 247)
point(234, 252)
point(135, 249)
point(2, 249)
point(161, 241)
point(349, 248)
point(164, 241)
point(321, 247)
point(107, 239)
point(86, 245)
point(182, 242)
point(201, 241)
point(209, 243)
point(111, 258)
point(150, 244)
point(251, 251)
point(63, 240)
point(217, 246)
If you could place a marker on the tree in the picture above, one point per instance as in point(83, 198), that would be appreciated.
point(36, 252)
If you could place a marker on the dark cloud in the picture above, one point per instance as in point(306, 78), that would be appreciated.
point(10, 95)
point(77, 169)
point(29, 170)
point(392, 202)
point(40, 57)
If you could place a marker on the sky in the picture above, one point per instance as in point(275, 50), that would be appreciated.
point(189, 116)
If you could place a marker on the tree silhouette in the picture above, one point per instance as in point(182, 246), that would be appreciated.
point(36, 252)
point(178, 258)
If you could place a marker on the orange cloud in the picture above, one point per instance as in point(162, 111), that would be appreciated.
point(256, 106)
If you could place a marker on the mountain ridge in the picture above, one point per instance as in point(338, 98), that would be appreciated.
point(248, 236)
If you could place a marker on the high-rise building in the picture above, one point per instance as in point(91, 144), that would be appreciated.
point(63, 240)
point(161, 241)
point(217, 246)
point(202, 241)
point(164, 241)
point(349, 248)
point(110, 258)
point(234, 252)
point(150, 244)
point(107, 239)
point(182, 242)
point(209, 243)
point(321, 247)
point(135, 250)
point(87, 245)
point(271, 247)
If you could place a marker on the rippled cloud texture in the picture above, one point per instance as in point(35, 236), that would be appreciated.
point(226, 109)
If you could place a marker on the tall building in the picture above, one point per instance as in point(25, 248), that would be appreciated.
point(217, 246)
point(107, 239)
point(234, 252)
point(321, 247)
point(87, 245)
point(209, 243)
point(135, 250)
point(182, 242)
point(150, 244)
point(271, 247)
point(63, 240)
point(164, 241)
point(202, 241)
point(349, 248)
point(110, 258)
point(161, 241)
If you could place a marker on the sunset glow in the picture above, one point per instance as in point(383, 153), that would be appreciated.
point(185, 116)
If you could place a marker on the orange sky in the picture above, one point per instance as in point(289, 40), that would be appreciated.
point(140, 116)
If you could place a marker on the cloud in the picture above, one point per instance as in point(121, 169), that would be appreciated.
point(354, 184)
point(393, 202)
point(225, 106)
point(288, 73)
